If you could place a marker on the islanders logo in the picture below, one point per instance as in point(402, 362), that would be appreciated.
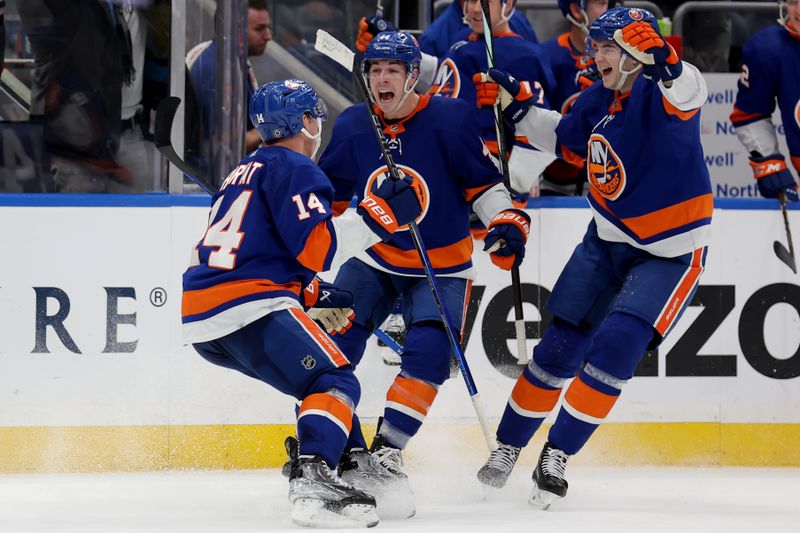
point(606, 172)
point(797, 113)
point(382, 173)
point(635, 14)
point(447, 81)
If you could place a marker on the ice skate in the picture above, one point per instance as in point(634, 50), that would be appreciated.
point(392, 492)
point(498, 467)
point(320, 498)
point(292, 446)
point(549, 483)
point(394, 327)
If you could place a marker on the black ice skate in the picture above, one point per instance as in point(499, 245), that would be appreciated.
point(498, 467)
point(320, 498)
point(397, 499)
point(292, 446)
point(548, 478)
point(392, 492)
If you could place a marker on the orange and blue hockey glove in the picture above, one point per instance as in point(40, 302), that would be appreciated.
point(645, 44)
point(368, 28)
point(515, 97)
point(508, 233)
point(395, 204)
point(773, 177)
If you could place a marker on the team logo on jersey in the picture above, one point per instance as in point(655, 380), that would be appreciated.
point(606, 172)
point(382, 173)
point(797, 113)
point(447, 81)
point(635, 14)
point(308, 362)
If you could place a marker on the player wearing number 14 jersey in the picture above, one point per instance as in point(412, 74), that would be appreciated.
point(270, 230)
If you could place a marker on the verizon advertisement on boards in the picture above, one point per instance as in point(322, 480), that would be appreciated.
point(90, 306)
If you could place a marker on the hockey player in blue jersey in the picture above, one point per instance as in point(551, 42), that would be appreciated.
point(440, 35)
point(572, 66)
point(641, 258)
point(270, 230)
point(436, 142)
point(574, 71)
point(770, 66)
point(467, 60)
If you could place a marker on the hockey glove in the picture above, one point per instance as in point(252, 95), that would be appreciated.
point(368, 28)
point(508, 233)
point(515, 97)
point(773, 177)
point(396, 203)
point(330, 306)
point(641, 41)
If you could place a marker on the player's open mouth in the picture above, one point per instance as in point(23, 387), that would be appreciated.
point(385, 96)
point(606, 71)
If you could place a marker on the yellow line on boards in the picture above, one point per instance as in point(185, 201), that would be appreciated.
point(148, 448)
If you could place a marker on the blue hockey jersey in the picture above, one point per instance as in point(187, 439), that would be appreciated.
point(439, 146)
point(649, 185)
point(576, 127)
point(513, 54)
point(770, 71)
point(448, 27)
point(570, 68)
point(269, 232)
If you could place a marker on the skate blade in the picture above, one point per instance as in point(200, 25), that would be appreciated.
point(310, 512)
point(542, 499)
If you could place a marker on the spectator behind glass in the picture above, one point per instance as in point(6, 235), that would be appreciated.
point(135, 153)
point(202, 63)
point(82, 59)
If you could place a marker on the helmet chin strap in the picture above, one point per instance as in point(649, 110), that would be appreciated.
point(407, 90)
point(316, 138)
point(582, 25)
point(625, 73)
point(783, 20)
point(504, 17)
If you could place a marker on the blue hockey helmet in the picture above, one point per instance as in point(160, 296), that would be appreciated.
point(393, 46)
point(618, 18)
point(277, 108)
point(607, 24)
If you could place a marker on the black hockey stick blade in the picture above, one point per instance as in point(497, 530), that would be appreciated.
point(784, 254)
point(162, 137)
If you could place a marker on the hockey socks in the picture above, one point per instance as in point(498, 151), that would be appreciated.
point(533, 397)
point(323, 425)
point(407, 403)
point(616, 349)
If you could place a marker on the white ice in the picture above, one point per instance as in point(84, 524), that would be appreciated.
point(599, 499)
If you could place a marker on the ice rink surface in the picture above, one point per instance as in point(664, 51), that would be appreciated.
point(600, 499)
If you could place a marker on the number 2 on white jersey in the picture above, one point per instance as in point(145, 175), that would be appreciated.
point(225, 234)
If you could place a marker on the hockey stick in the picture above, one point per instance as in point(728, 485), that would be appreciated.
point(787, 256)
point(162, 137)
point(516, 289)
point(165, 114)
point(338, 52)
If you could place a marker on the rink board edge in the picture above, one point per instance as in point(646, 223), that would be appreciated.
point(215, 447)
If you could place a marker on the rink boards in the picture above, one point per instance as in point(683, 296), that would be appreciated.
point(93, 375)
